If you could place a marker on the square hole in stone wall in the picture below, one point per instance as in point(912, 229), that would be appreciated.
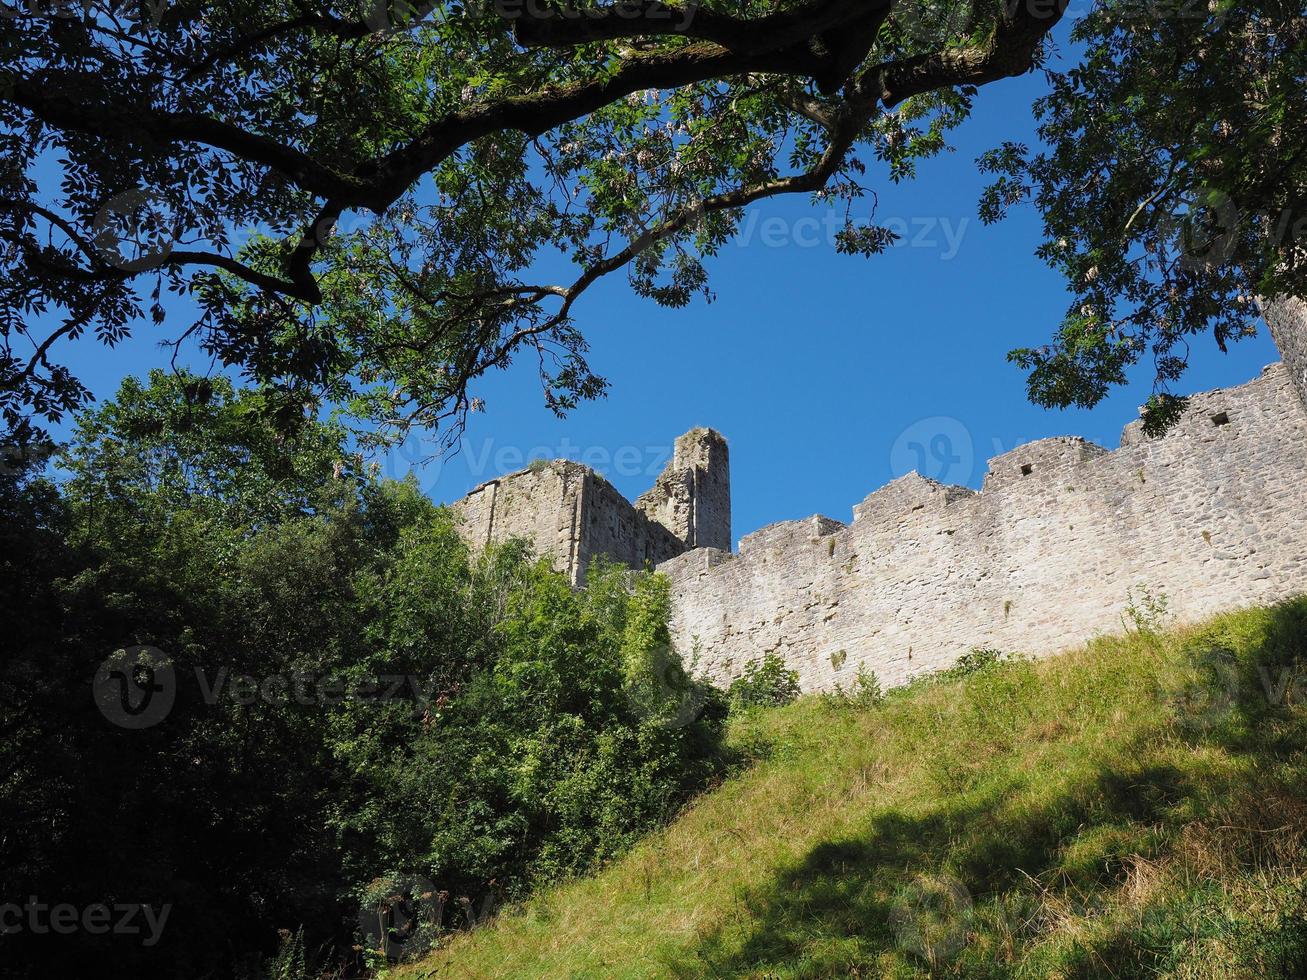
point(1221, 418)
point(1027, 469)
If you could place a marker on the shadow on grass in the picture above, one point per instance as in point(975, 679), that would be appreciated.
point(980, 884)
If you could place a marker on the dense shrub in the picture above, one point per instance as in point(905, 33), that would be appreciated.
point(974, 661)
point(864, 691)
point(538, 729)
point(765, 683)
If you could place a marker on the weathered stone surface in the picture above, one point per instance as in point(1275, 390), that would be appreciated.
point(571, 513)
point(1287, 318)
point(692, 496)
point(1214, 514)
point(1047, 457)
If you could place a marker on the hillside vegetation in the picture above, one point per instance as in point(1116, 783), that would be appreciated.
point(349, 703)
point(1132, 808)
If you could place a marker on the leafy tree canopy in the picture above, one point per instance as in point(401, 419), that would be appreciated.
point(182, 440)
point(361, 195)
point(377, 201)
point(1173, 187)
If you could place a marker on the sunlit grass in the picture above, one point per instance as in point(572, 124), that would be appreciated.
point(1131, 808)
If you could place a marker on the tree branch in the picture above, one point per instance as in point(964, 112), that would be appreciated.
point(1009, 52)
point(137, 122)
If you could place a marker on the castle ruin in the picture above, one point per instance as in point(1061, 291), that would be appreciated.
point(570, 512)
point(1213, 514)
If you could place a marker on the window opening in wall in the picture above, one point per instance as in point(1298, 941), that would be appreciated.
point(1027, 469)
point(1221, 418)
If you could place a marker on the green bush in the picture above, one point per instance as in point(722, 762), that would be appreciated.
point(765, 683)
point(1147, 610)
point(974, 661)
point(560, 747)
point(539, 729)
point(864, 692)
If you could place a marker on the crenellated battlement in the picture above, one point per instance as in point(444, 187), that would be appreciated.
point(899, 503)
point(1044, 459)
point(1213, 513)
point(784, 534)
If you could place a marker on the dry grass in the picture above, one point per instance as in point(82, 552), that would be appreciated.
point(1096, 814)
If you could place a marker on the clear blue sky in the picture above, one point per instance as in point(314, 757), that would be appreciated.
point(821, 370)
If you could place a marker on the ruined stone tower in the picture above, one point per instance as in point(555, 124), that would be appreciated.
point(570, 512)
point(692, 496)
point(1287, 319)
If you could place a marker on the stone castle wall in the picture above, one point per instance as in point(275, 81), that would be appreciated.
point(571, 513)
point(568, 512)
point(1287, 319)
point(692, 496)
point(1213, 514)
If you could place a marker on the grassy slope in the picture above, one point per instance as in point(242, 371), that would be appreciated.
point(1109, 812)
